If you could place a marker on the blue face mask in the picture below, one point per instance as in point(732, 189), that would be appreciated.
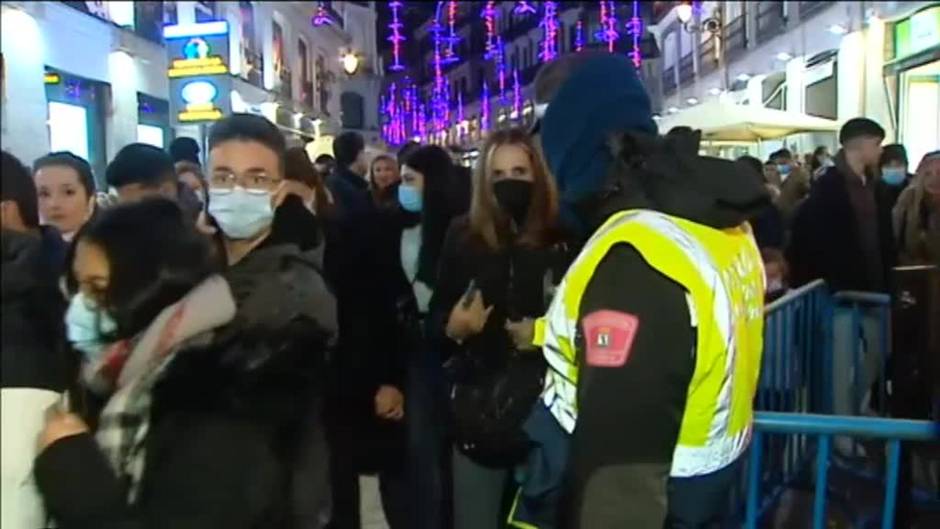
point(241, 214)
point(86, 326)
point(893, 176)
point(783, 169)
point(410, 198)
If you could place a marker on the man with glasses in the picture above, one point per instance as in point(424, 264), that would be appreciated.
point(278, 288)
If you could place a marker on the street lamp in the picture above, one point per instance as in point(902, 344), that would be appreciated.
point(350, 63)
point(684, 12)
point(712, 26)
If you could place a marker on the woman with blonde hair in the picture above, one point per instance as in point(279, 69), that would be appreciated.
point(495, 269)
point(917, 214)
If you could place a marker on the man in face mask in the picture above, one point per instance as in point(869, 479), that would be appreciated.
point(794, 182)
point(894, 173)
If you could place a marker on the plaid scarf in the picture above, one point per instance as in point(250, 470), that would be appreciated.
point(134, 367)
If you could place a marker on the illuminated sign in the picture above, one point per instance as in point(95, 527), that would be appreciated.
point(52, 78)
point(198, 71)
point(919, 32)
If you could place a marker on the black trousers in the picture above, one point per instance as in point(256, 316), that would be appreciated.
point(344, 479)
point(703, 502)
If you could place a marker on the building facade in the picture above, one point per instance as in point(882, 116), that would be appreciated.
point(835, 60)
point(91, 77)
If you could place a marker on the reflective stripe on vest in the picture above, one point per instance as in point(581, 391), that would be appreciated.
point(722, 272)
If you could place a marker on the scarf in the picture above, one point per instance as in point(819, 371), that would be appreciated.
point(135, 366)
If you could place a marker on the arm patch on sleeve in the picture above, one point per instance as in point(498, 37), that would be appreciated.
point(608, 337)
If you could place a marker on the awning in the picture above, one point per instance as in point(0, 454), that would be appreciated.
point(729, 122)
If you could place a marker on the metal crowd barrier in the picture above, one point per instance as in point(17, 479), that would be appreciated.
point(823, 428)
point(822, 354)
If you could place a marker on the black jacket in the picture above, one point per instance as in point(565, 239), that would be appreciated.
point(367, 355)
point(236, 438)
point(825, 238)
point(33, 331)
point(515, 280)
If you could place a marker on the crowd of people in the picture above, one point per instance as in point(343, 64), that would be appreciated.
point(270, 341)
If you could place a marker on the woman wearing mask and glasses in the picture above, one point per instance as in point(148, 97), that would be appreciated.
point(496, 268)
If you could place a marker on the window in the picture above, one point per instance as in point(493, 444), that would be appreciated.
point(68, 128)
point(733, 10)
point(150, 135)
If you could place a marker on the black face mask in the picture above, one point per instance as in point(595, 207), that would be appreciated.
point(514, 198)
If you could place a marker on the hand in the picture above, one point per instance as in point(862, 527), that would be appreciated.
point(389, 403)
point(522, 333)
point(467, 322)
point(203, 224)
point(60, 425)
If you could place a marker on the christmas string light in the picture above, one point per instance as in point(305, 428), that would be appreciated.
point(460, 131)
point(322, 18)
point(516, 94)
point(579, 36)
point(450, 56)
point(501, 70)
point(523, 7)
point(396, 37)
point(635, 27)
point(489, 20)
point(549, 31)
point(608, 31)
point(485, 108)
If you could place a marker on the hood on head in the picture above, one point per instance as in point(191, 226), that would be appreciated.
point(602, 96)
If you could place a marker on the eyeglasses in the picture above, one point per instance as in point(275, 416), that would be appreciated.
point(227, 180)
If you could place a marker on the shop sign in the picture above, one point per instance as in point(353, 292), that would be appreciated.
point(200, 84)
point(919, 32)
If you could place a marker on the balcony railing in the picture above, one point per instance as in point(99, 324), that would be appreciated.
point(707, 62)
point(735, 37)
point(669, 80)
point(811, 9)
point(306, 93)
point(686, 69)
point(770, 20)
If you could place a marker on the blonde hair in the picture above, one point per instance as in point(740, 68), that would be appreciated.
point(487, 220)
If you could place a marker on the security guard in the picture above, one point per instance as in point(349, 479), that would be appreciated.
point(654, 336)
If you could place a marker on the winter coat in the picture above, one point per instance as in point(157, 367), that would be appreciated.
point(531, 272)
point(826, 241)
point(368, 355)
point(235, 436)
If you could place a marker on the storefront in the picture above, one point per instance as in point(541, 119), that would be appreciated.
point(913, 77)
point(76, 112)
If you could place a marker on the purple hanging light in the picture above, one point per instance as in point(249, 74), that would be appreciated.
point(501, 70)
point(516, 94)
point(523, 8)
point(322, 18)
point(489, 21)
point(485, 108)
point(579, 36)
point(635, 28)
point(449, 55)
point(549, 31)
point(608, 31)
point(396, 37)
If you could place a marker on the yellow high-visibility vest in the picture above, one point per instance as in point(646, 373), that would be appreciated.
point(723, 275)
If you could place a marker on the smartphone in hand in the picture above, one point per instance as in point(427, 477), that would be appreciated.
point(468, 296)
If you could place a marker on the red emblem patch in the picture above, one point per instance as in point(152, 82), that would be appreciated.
point(609, 337)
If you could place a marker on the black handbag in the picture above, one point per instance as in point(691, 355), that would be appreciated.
point(490, 410)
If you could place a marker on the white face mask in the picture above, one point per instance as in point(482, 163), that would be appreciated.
point(241, 214)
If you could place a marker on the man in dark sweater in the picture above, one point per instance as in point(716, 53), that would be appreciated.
point(842, 233)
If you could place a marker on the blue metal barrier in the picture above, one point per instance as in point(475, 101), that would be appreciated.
point(797, 342)
point(823, 428)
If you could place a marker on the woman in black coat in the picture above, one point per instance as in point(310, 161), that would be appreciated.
point(212, 417)
point(496, 268)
